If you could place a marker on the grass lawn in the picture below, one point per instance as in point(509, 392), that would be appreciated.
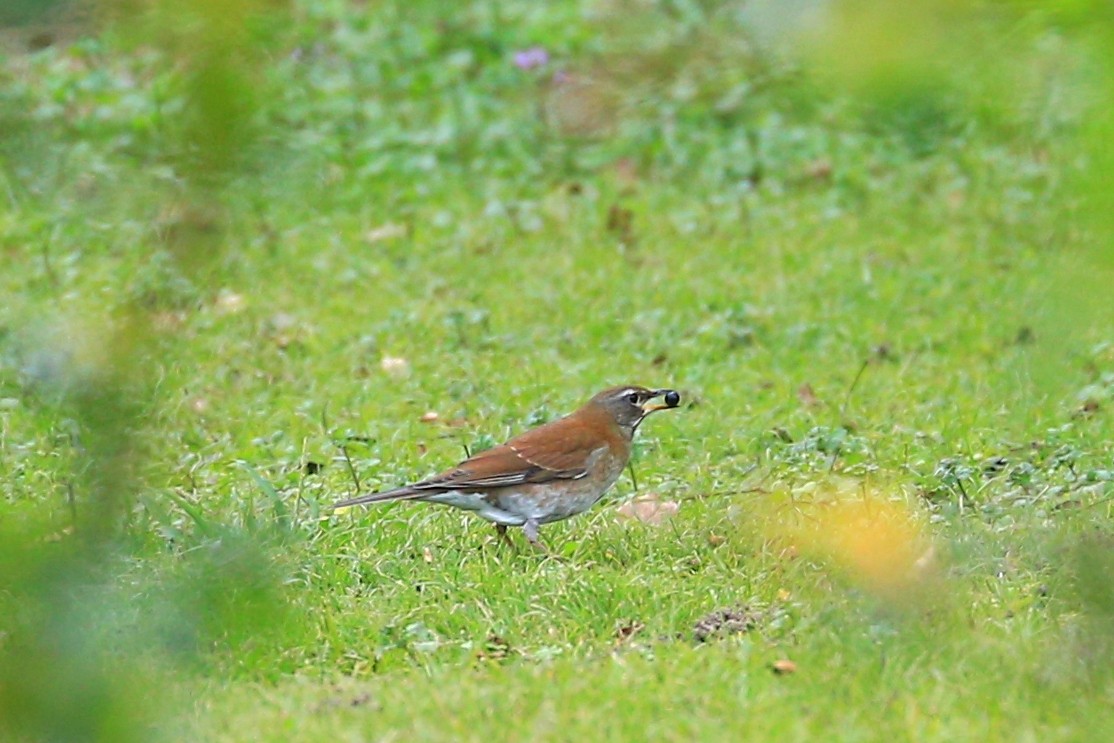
point(255, 267)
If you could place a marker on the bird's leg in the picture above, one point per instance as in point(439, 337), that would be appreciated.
point(530, 529)
point(501, 530)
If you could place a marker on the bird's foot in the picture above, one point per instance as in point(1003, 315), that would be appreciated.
point(530, 529)
point(501, 530)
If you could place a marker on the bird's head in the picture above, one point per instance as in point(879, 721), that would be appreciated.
point(629, 405)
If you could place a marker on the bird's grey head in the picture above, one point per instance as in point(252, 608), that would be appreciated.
point(630, 404)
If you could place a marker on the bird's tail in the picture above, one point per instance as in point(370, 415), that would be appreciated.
point(403, 493)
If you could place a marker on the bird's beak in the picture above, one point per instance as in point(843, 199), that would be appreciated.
point(672, 399)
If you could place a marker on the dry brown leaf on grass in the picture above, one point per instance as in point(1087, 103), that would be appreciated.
point(167, 321)
point(387, 231)
point(819, 169)
point(783, 667)
point(807, 396)
point(649, 509)
point(229, 302)
point(627, 631)
point(394, 366)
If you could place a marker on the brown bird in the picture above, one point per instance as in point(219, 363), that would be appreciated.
point(546, 474)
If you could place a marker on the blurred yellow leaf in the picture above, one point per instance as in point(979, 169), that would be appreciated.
point(877, 542)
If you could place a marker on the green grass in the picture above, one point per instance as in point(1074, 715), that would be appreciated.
point(202, 341)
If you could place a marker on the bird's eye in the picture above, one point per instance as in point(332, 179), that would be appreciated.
point(633, 398)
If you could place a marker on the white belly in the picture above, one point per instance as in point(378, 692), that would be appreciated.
point(476, 503)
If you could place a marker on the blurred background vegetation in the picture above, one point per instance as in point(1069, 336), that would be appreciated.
point(218, 214)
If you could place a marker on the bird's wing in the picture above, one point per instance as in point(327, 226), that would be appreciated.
point(543, 454)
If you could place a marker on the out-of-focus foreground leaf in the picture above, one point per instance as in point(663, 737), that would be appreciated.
point(83, 638)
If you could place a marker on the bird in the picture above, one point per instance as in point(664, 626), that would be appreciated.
point(546, 474)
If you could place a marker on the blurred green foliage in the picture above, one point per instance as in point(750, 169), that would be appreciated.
point(58, 681)
point(27, 11)
point(64, 674)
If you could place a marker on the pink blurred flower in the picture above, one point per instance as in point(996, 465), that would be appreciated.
point(528, 59)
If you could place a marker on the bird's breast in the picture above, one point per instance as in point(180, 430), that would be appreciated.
point(558, 499)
